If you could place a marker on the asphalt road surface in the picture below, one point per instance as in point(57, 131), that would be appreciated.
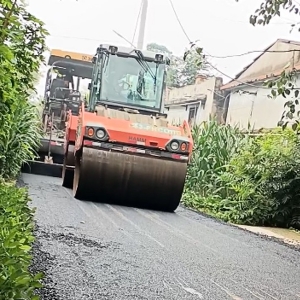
point(99, 251)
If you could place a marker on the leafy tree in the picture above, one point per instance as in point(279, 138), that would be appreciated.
point(192, 67)
point(158, 48)
point(181, 72)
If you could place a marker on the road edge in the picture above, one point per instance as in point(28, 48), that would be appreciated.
point(268, 237)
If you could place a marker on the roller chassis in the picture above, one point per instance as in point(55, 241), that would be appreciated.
point(99, 171)
point(133, 163)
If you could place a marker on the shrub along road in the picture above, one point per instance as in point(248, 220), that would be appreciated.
point(98, 251)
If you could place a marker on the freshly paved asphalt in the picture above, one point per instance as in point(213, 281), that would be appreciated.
point(100, 251)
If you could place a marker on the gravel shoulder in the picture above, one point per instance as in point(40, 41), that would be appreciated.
point(100, 251)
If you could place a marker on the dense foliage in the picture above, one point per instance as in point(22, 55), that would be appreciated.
point(19, 137)
point(16, 237)
point(22, 46)
point(243, 179)
point(21, 53)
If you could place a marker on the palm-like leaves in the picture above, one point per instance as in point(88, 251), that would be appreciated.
point(243, 179)
point(19, 138)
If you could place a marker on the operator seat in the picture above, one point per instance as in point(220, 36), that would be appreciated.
point(54, 89)
point(74, 103)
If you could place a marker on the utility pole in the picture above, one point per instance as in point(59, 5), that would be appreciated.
point(140, 43)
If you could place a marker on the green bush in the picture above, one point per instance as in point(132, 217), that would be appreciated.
point(245, 180)
point(263, 181)
point(16, 225)
point(22, 44)
point(214, 145)
point(19, 138)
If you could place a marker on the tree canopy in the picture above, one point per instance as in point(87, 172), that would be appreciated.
point(181, 72)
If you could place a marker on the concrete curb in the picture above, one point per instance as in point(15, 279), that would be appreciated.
point(286, 235)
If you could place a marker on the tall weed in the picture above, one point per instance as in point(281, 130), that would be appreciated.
point(214, 145)
point(16, 223)
point(263, 180)
point(19, 137)
point(243, 179)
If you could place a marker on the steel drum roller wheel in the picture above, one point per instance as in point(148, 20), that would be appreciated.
point(78, 193)
point(129, 179)
point(68, 175)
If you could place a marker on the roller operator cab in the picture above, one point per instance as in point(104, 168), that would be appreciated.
point(125, 150)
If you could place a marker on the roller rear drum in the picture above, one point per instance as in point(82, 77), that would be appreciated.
point(128, 179)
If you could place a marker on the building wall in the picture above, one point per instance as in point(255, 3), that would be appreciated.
point(259, 110)
point(208, 87)
point(177, 114)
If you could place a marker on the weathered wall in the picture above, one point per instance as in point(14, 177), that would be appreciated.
point(208, 87)
point(260, 110)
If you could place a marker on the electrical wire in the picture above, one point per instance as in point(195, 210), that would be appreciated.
point(75, 38)
point(243, 82)
point(180, 24)
point(216, 69)
point(137, 22)
point(234, 79)
point(253, 51)
point(209, 55)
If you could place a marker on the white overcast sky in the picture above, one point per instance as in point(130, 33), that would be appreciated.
point(222, 26)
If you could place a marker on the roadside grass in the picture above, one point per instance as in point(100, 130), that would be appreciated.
point(21, 54)
point(19, 137)
point(16, 235)
point(243, 179)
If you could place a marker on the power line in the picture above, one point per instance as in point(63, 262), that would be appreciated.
point(254, 51)
point(79, 38)
point(224, 74)
point(209, 55)
point(176, 15)
point(230, 77)
point(137, 22)
point(244, 83)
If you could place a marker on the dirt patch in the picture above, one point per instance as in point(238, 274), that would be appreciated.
point(286, 235)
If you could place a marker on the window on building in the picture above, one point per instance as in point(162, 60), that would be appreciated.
point(192, 114)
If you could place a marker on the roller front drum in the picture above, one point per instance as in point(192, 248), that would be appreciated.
point(129, 179)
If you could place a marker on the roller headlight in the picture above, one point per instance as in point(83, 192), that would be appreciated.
point(174, 146)
point(100, 133)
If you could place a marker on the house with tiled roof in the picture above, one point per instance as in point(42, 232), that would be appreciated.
point(247, 98)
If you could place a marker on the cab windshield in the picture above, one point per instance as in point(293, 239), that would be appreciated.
point(126, 81)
